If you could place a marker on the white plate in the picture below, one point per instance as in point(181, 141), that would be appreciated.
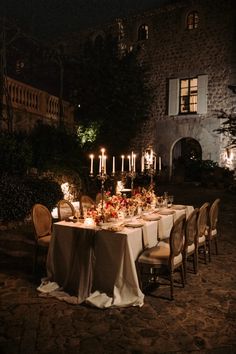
point(134, 224)
point(151, 217)
point(113, 228)
point(166, 212)
point(178, 207)
point(73, 218)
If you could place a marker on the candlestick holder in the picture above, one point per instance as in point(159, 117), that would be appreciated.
point(149, 164)
point(102, 177)
point(132, 175)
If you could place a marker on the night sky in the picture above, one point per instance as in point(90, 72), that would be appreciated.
point(48, 17)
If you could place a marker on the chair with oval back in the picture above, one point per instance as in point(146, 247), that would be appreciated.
point(86, 202)
point(213, 229)
point(42, 221)
point(202, 225)
point(166, 256)
point(190, 240)
point(65, 209)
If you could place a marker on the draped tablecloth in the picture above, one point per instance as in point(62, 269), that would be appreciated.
point(98, 266)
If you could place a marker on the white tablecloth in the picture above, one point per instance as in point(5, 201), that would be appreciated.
point(98, 266)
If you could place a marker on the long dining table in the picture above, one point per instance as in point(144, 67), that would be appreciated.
point(97, 265)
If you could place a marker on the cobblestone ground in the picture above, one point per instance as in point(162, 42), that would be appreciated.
point(201, 319)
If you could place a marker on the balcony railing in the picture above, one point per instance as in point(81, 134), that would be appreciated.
point(28, 98)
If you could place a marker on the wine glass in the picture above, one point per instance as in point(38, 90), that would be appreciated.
point(160, 201)
point(170, 201)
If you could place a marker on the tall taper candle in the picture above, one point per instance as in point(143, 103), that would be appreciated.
point(91, 166)
point(113, 164)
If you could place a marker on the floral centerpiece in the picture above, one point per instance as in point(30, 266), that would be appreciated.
point(115, 205)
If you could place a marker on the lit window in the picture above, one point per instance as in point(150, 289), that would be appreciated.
point(188, 95)
point(192, 20)
point(143, 32)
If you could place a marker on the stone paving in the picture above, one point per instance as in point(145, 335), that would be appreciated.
point(201, 319)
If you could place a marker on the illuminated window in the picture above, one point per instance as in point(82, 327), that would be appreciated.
point(143, 32)
point(192, 20)
point(188, 96)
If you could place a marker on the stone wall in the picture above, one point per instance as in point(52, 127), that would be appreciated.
point(171, 51)
point(174, 52)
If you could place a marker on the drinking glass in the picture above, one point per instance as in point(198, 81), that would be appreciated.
point(170, 201)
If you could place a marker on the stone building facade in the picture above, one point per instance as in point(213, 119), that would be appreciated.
point(190, 49)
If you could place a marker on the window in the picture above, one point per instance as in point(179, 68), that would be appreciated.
point(188, 96)
point(143, 32)
point(192, 20)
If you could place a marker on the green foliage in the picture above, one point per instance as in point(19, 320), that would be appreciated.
point(18, 195)
point(15, 154)
point(87, 135)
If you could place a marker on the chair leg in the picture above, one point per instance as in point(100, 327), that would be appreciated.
point(196, 258)
point(205, 252)
point(183, 275)
point(171, 285)
point(35, 261)
point(209, 249)
point(216, 245)
point(195, 262)
point(185, 268)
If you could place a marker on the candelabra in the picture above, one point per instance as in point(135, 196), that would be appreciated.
point(101, 176)
point(148, 164)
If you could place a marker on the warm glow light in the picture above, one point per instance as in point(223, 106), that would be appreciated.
point(89, 222)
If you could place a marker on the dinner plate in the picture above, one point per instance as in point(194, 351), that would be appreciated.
point(73, 218)
point(166, 212)
point(178, 207)
point(113, 228)
point(134, 224)
point(151, 217)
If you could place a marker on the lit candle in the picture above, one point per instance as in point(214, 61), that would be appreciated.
point(103, 160)
point(113, 164)
point(159, 163)
point(122, 163)
point(129, 163)
point(91, 166)
point(100, 163)
point(134, 162)
point(151, 158)
point(142, 163)
point(105, 164)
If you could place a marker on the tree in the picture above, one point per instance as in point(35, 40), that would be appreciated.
point(113, 93)
point(228, 127)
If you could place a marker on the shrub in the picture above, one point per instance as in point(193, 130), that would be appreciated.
point(18, 195)
point(15, 154)
point(44, 191)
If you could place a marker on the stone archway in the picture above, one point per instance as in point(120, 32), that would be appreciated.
point(186, 156)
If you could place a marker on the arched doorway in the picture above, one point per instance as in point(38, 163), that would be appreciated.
point(186, 160)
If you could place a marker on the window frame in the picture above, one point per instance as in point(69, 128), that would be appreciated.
point(195, 20)
point(143, 32)
point(174, 93)
point(190, 94)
